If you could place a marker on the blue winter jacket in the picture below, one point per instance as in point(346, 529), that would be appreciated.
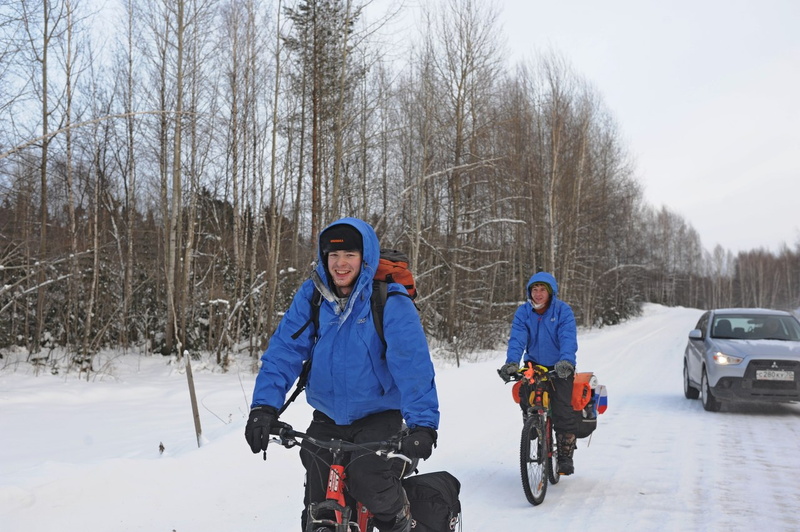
point(352, 375)
point(547, 338)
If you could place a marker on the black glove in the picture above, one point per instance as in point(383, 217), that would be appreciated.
point(507, 370)
point(419, 442)
point(564, 368)
point(262, 419)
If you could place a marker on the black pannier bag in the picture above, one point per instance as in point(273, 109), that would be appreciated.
point(588, 400)
point(435, 506)
point(586, 421)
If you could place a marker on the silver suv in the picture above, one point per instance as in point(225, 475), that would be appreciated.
point(743, 355)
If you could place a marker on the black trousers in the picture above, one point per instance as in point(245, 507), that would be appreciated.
point(564, 419)
point(372, 480)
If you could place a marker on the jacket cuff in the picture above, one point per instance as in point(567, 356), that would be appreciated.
point(265, 408)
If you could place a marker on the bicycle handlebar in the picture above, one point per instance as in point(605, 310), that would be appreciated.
point(288, 437)
point(520, 373)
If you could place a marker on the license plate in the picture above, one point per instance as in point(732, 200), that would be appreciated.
point(774, 375)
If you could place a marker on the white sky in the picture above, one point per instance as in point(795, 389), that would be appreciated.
point(83, 456)
point(705, 94)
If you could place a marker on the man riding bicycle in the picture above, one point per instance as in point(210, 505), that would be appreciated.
point(361, 389)
point(544, 332)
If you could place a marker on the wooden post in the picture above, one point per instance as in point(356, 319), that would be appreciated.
point(195, 412)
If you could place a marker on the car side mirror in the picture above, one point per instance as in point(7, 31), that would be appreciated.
point(695, 334)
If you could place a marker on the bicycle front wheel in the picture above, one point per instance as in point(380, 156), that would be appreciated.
point(533, 458)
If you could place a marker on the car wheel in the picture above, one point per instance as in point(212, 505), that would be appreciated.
point(710, 402)
point(689, 391)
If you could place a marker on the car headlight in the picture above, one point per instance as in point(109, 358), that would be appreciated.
point(726, 360)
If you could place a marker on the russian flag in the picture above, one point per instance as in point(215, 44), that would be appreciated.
point(602, 398)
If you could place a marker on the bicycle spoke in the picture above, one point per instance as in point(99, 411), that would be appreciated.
point(533, 460)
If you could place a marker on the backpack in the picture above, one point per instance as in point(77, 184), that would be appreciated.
point(392, 268)
point(435, 506)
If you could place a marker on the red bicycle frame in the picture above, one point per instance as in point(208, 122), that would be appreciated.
point(335, 492)
point(335, 498)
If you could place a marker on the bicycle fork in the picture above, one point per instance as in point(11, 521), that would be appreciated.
point(541, 406)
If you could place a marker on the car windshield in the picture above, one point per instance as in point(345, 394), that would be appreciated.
point(756, 327)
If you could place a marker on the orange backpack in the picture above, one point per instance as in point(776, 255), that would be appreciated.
point(393, 268)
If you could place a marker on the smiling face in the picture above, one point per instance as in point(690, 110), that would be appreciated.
point(539, 295)
point(344, 267)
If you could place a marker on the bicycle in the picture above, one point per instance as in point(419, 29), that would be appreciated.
point(538, 453)
point(337, 497)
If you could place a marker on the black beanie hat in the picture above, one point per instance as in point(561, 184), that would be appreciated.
point(341, 237)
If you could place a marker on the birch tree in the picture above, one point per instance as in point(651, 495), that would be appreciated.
point(467, 62)
point(44, 25)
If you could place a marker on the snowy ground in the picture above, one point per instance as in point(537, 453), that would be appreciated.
point(84, 456)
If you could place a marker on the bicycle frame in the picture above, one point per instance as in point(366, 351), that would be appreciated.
point(552, 452)
point(335, 492)
point(537, 449)
point(335, 497)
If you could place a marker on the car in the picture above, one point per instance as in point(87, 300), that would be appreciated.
point(743, 354)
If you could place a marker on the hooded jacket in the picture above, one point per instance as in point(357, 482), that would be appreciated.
point(547, 338)
point(352, 375)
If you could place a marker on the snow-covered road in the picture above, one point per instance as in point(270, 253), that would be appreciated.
point(84, 456)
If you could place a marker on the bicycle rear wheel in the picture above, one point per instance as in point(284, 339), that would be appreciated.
point(533, 458)
point(552, 453)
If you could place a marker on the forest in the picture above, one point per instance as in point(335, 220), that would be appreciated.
point(166, 167)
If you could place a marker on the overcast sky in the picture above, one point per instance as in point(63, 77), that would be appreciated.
point(706, 94)
point(707, 97)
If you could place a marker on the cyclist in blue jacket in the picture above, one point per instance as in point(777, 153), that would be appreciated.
point(361, 389)
point(544, 332)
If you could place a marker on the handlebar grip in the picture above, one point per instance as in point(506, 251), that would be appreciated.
point(280, 428)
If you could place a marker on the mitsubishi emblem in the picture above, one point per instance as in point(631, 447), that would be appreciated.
point(774, 365)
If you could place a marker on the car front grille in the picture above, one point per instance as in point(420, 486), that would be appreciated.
point(778, 365)
point(755, 365)
point(773, 385)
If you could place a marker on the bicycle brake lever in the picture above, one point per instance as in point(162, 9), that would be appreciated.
point(392, 454)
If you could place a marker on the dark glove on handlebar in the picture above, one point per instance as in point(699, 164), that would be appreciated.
point(419, 442)
point(261, 420)
point(564, 369)
point(507, 370)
